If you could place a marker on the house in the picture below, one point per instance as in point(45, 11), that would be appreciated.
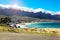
point(21, 26)
point(18, 25)
point(12, 25)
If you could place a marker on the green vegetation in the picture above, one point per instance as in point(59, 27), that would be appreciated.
point(5, 20)
point(5, 28)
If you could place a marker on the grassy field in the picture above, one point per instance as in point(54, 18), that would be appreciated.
point(8, 33)
point(49, 31)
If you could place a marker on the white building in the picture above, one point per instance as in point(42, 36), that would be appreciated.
point(17, 25)
point(21, 26)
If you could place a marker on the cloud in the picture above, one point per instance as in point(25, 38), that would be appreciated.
point(29, 9)
point(57, 12)
point(38, 10)
point(17, 7)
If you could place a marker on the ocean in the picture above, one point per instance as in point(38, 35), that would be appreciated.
point(45, 25)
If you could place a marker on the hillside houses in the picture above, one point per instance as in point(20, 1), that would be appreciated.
point(13, 25)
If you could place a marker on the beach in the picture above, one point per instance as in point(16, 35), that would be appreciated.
point(30, 30)
point(22, 36)
point(6, 33)
point(43, 30)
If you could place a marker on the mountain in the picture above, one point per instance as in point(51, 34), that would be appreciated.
point(41, 14)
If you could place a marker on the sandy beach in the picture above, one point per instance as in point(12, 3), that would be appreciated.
point(22, 36)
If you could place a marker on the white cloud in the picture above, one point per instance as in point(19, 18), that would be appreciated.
point(57, 12)
point(6, 6)
point(26, 9)
point(38, 10)
point(29, 9)
point(17, 7)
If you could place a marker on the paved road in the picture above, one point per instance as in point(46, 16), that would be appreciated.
point(22, 36)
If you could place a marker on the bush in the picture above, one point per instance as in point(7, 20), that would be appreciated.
point(16, 30)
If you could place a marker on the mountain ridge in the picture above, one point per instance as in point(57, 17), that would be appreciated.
point(21, 12)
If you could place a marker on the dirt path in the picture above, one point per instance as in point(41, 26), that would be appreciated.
point(22, 36)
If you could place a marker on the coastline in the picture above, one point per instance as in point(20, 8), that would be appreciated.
point(43, 30)
point(43, 24)
point(53, 31)
point(32, 30)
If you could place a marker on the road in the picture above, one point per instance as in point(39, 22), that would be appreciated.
point(24, 36)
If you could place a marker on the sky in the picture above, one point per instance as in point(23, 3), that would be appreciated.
point(52, 5)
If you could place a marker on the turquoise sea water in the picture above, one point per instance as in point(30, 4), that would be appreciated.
point(45, 25)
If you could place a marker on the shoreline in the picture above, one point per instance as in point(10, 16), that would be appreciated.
point(34, 30)
point(43, 30)
point(33, 23)
point(38, 28)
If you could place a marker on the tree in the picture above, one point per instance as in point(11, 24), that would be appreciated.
point(5, 20)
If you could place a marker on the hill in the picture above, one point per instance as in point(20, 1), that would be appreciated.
point(41, 14)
